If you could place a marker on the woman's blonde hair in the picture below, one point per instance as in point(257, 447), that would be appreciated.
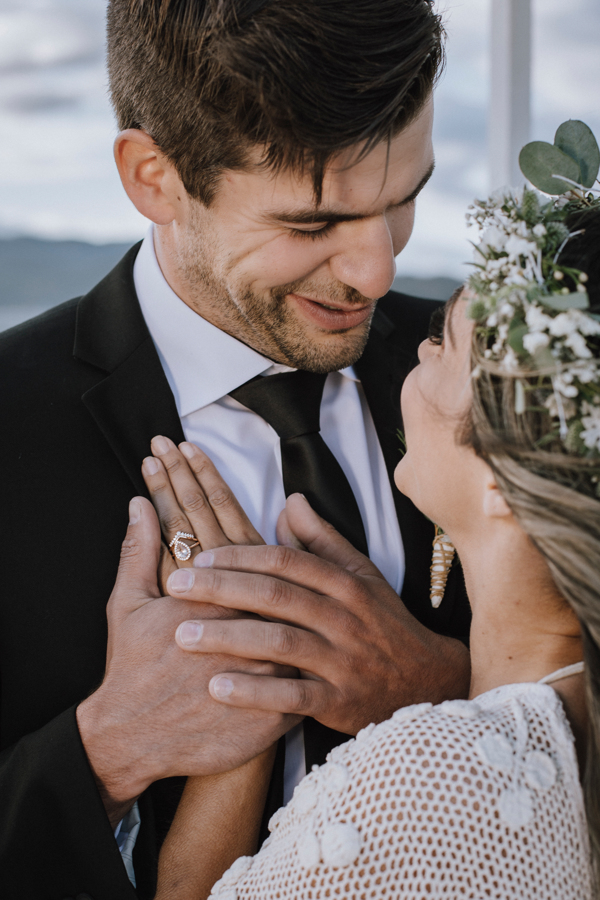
point(554, 496)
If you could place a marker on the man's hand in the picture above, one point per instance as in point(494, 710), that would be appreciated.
point(153, 716)
point(332, 615)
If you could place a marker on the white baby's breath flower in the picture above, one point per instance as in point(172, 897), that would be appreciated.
point(510, 363)
point(517, 246)
point(587, 325)
point(535, 340)
point(569, 407)
point(576, 342)
point(564, 323)
point(516, 276)
point(563, 383)
point(586, 373)
point(493, 238)
point(537, 319)
point(591, 426)
point(540, 230)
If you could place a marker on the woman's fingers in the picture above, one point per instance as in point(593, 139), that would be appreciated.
point(298, 696)
point(232, 519)
point(179, 500)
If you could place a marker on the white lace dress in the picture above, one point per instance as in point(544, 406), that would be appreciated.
point(468, 799)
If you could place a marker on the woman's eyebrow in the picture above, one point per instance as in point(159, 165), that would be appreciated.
point(450, 304)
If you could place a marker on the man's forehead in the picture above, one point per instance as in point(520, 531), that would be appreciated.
point(359, 197)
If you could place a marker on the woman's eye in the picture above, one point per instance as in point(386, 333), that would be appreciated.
point(436, 326)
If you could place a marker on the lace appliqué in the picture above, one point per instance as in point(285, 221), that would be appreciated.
point(465, 799)
point(532, 770)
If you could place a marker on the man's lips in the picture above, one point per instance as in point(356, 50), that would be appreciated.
point(333, 317)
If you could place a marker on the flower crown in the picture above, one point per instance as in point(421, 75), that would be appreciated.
point(533, 312)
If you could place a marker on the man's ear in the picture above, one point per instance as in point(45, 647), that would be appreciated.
point(147, 176)
point(494, 504)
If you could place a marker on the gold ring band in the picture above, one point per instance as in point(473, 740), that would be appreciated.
point(180, 549)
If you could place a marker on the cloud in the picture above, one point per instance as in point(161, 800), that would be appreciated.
point(41, 38)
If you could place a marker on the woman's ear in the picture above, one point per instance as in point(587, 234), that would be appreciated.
point(147, 176)
point(494, 504)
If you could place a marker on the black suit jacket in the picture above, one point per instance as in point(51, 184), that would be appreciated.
point(82, 392)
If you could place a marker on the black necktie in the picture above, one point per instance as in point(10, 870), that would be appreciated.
point(291, 403)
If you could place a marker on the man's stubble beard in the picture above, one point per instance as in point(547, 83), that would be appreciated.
point(266, 322)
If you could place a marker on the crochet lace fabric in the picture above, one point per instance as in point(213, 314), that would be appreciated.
point(468, 799)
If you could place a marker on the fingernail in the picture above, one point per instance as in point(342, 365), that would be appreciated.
point(187, 449)
point(160, 445)
point(222, 687)
point(189, 633)
point(135, 511)
point(180, 581)
point(150, 466)
point(204, 560)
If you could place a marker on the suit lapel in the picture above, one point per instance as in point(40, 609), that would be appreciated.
point(132, 400)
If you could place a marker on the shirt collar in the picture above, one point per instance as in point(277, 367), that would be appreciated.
point(191, 350)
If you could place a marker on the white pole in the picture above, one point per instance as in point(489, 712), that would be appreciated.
point(510, 89)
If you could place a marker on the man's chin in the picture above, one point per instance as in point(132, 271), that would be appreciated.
point(327, 353)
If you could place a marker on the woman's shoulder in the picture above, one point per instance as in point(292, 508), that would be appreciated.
point(438, 798)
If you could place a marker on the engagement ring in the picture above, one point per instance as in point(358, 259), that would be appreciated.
point(180, 549)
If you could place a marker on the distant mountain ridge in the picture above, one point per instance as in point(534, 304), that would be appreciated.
point(41, 274)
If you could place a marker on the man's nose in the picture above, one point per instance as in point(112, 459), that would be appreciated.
point(365, 257)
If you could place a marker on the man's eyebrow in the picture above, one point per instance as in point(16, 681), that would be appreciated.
point(322, 216)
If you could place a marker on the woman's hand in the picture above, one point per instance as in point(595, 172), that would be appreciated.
point(190, 496)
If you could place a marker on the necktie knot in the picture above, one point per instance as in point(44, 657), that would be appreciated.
point(289, 401)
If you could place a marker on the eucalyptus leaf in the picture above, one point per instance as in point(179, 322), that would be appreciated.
point(577, 140)
point(566, 301)
point(515, 338)
point(540, 161)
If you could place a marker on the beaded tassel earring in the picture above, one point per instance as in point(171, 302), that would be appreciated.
point(441, 561)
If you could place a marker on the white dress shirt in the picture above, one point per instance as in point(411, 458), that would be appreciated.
point(202, 364)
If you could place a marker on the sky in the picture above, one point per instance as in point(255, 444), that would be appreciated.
point(57, 175)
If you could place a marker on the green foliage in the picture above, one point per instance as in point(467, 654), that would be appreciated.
point(540, 162)
point(562, 302)
point(574, 155)
point(573, 442)
point(558, 232)
point(577, 140)
point(530, 207)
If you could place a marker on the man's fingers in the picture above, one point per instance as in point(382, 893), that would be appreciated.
point(255, 639)
point(140, 553)
point(321, 538)
point(297, 696)
point(269, 597)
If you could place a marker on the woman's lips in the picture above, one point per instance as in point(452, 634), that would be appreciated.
point(333, 319)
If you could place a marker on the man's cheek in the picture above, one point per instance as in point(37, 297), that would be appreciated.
point(285, 260)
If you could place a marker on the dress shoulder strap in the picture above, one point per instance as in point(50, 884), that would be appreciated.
point(575, 669)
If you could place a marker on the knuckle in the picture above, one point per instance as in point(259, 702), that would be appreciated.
point(220, 498)
point(275, 593)
point(283, 640)
point(129, 548)
point(193, 502)
point(298, 696)
point(280, 559)
point(172, 522)
point(172, 464)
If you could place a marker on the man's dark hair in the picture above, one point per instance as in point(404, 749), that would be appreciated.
point(299, 79)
